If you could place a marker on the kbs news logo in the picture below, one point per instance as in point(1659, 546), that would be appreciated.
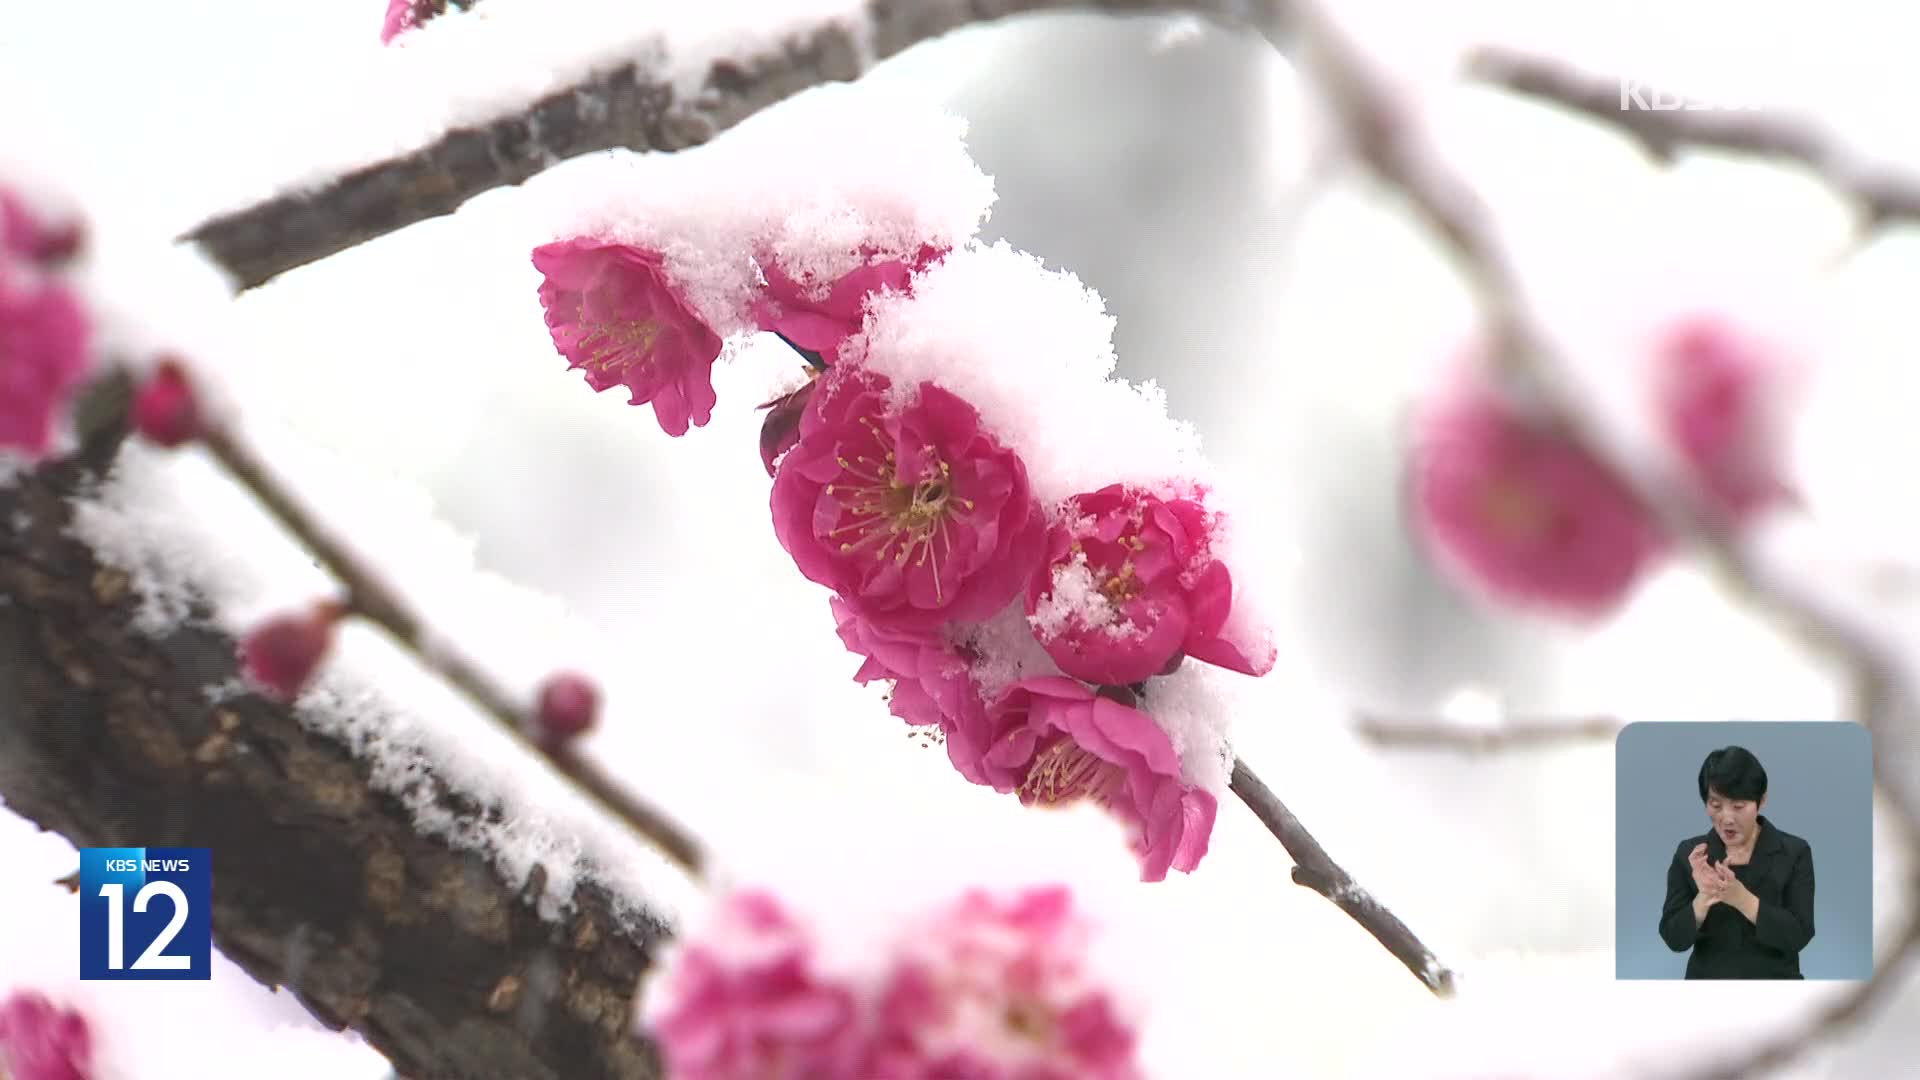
point(1645, 97)
point(144, 913)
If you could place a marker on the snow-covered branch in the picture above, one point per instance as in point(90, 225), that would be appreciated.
point(1882, 193)
point(1316, 870)
point(1542, 366)
point(370, 598)
point(327, 887)
point(647, 96)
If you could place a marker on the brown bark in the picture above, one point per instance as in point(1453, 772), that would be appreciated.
point(633, 105)
point(321, 884)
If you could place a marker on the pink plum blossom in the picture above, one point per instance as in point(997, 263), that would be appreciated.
point(402, 16)
point(933, 685)
point(44, 351)
point(615, 313)
point(30, 237)
point(821, 316)
point(41, 1041)
point(1520, 512)
point(915, 515)
point(1717, 391)
point(1130, 586)
point(743, 1001)
point(998, 989)
point(1057, 742)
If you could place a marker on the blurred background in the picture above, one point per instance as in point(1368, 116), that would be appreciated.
point(1289, 311)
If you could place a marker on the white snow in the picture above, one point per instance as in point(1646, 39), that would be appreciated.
point(186, 534)
point(1198, 706)
point(190, 537)
point(829, 179)
point(468, 68)
point(1007, 650)
point(1563, 1017)
point(1032, 349)
point(1248, 946)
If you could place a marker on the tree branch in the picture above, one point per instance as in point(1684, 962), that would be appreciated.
point(634, 105)
point(369, 597)
point(1509, 733)
point(1402, 153)
point(320, 884)
point(1316, 870)
point(1883, 193)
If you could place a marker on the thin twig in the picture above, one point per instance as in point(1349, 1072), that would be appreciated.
point(1883, 192)
point(1508, 733)
point(634, 104)
point(371, 599)
point(1316, 870)
point(1400, 150)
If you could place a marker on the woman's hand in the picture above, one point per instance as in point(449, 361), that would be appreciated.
point(1734, 893)
point(1710, 880)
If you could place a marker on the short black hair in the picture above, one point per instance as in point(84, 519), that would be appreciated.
point(1734, 772)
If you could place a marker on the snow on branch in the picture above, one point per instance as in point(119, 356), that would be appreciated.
point(329, 887)
point(1547, 368)
point(369, 597)
point(609, 84)
point(1883, 193)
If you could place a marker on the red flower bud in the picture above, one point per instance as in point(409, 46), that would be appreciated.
point(569, 705)
point(781, 429)
point(165, 410)
point(281, 654)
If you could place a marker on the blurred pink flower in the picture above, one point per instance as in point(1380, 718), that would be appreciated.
point(1719, 393)
point(743, 1002)
point(820, 317)
point(1057, 742)
point(932, 684)
point(915, 516)
point(614, 313)
point(1520, 512)
point(402, 16)
point(44, 354)
point(998, 990)
point(26, 235)
point(41, 1041)
point(1130, 586)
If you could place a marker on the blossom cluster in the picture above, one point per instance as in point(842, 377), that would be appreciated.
point(987, 987)
point(900, 497)
point(1524, 514)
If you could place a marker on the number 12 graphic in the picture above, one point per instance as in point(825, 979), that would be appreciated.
point(153, 903)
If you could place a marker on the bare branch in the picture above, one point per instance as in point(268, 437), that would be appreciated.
point(1401, 152)
point(1508, 733)
point(1316, 870)
point(1882, 193)
point(323, 886)
point(369, 597)
point(634, 105)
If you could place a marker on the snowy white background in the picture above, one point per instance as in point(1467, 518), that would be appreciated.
point(1164, 164)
